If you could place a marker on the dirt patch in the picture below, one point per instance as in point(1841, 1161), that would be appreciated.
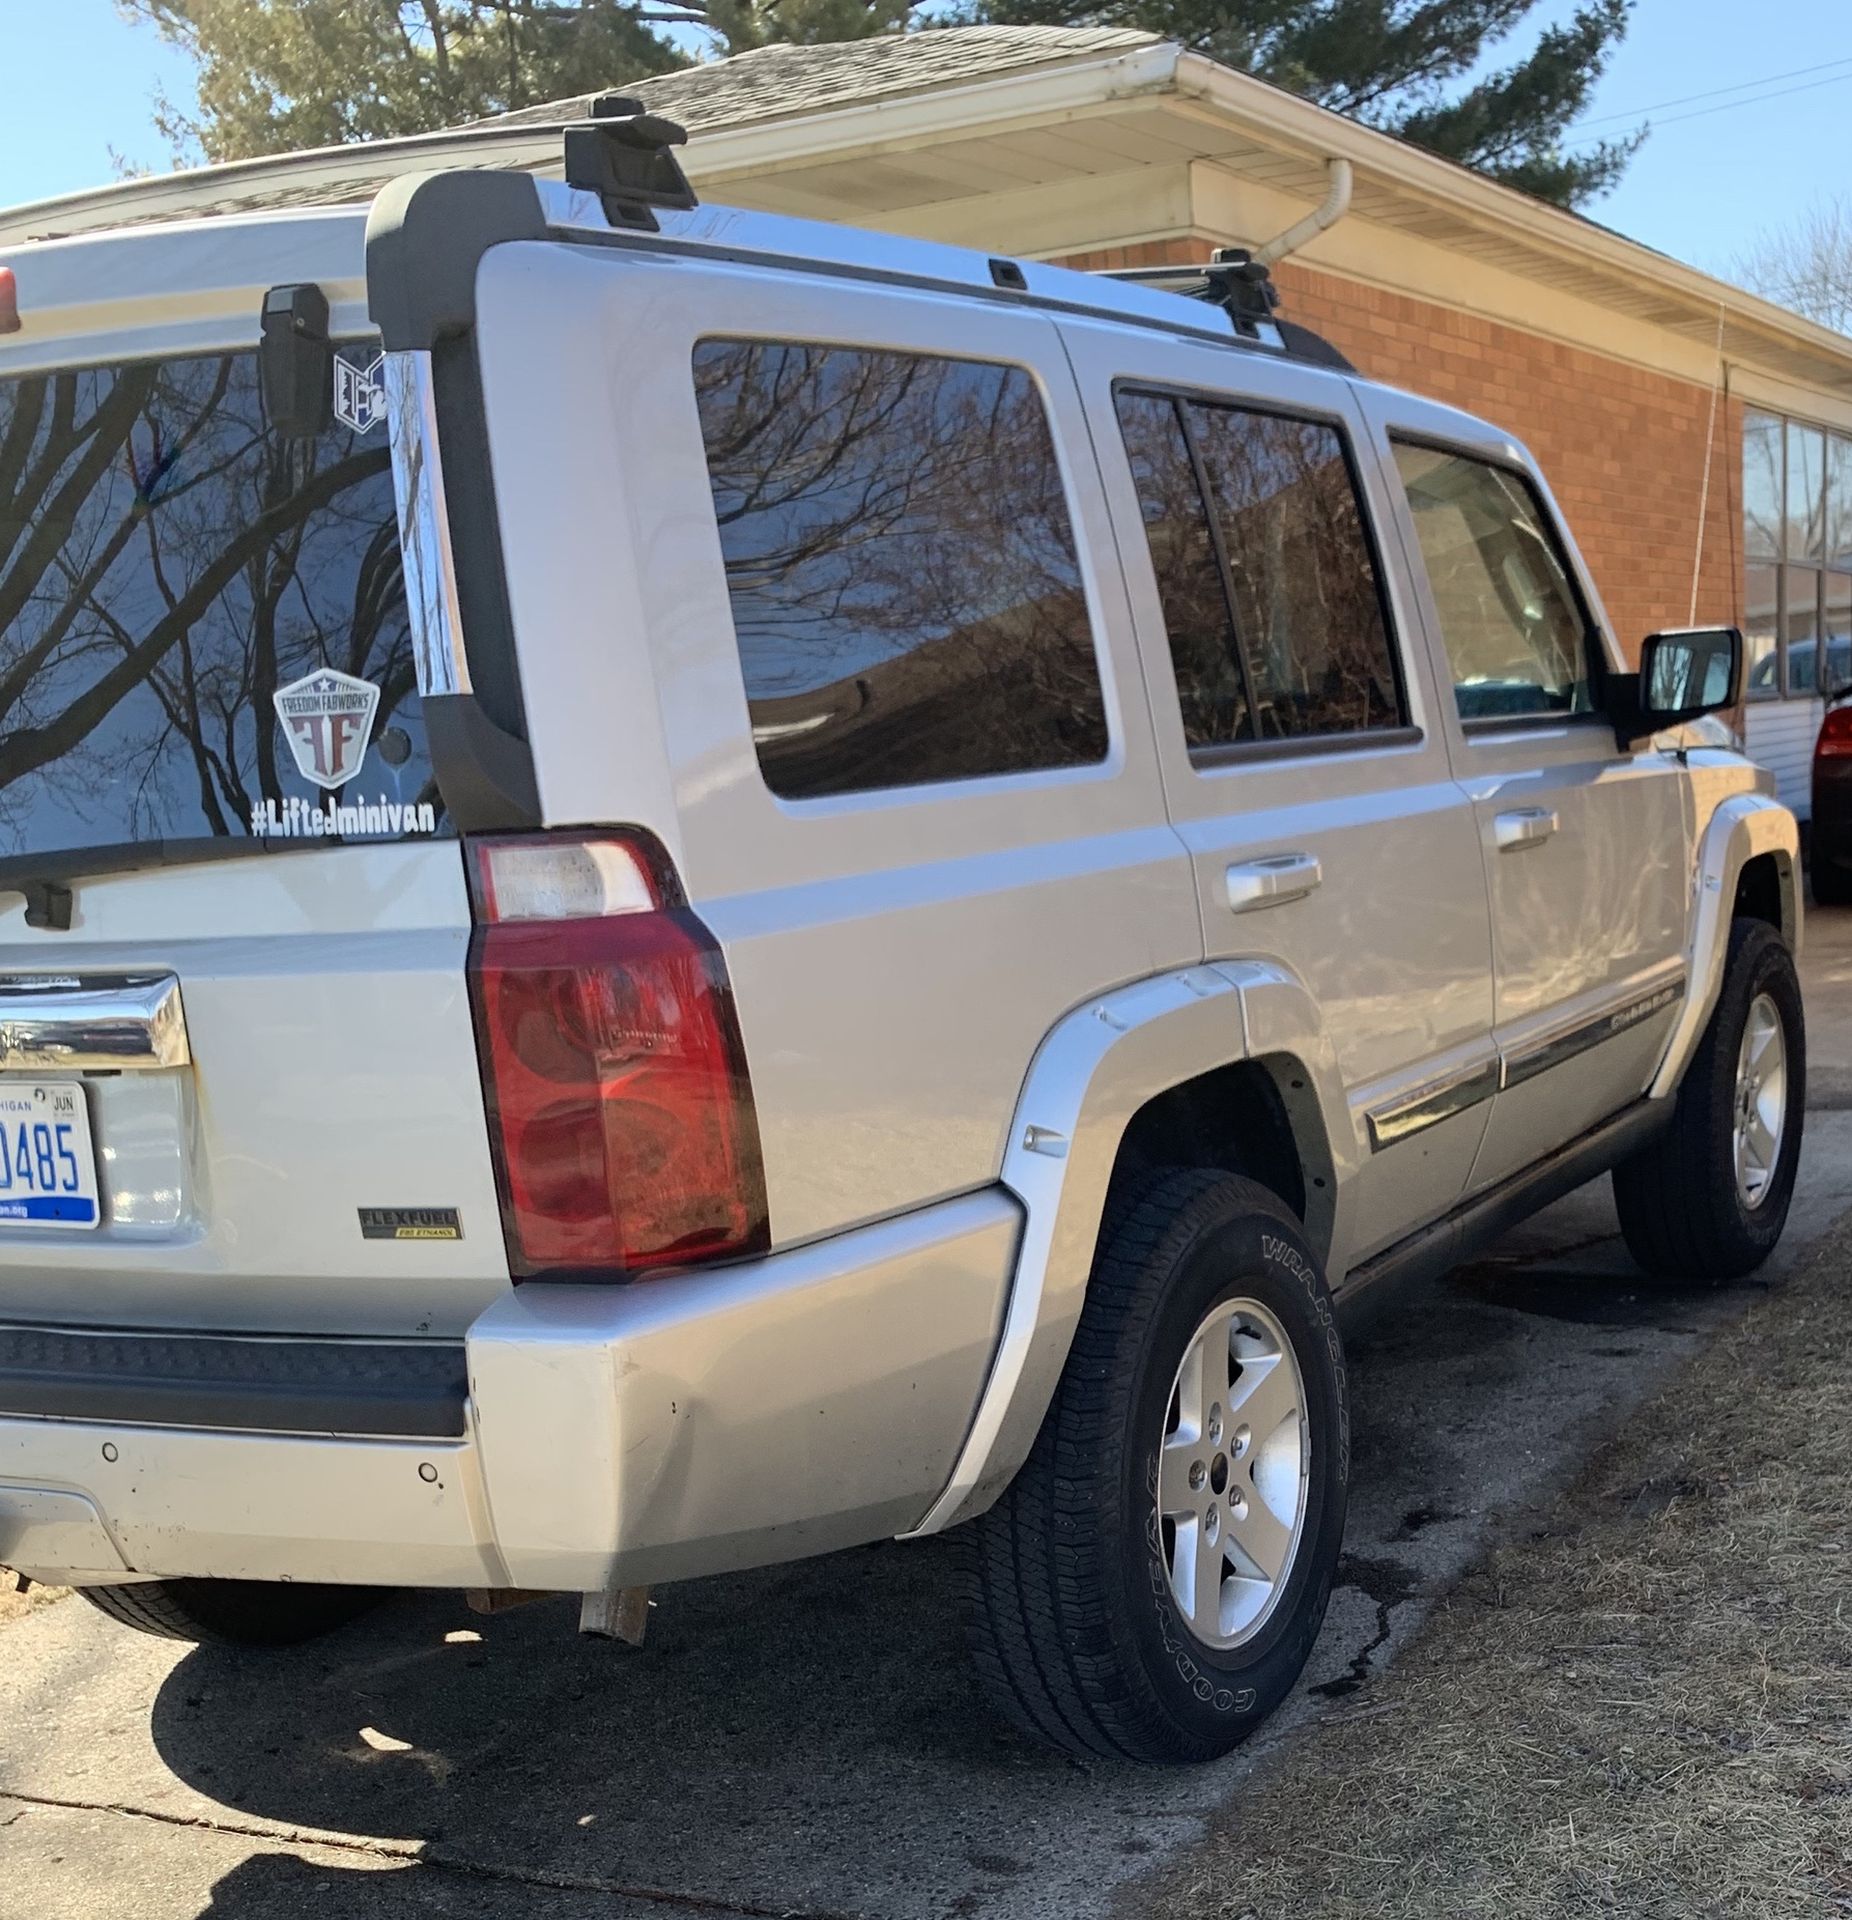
point(15, 1605)
point(1645, 1708)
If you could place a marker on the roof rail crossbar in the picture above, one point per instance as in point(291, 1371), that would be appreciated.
point(1243, 288)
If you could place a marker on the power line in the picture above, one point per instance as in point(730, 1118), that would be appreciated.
point(1685, 99)
point(1698, 113)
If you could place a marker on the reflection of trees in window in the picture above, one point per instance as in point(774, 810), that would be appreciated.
point(904, 583)
point(1307, 605)
point(1307, 650)
point(165, 564)
point(1210, 688)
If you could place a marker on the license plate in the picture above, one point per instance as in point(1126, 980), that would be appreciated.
point(47, 1164)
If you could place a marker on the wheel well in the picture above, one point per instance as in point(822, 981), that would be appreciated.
point(1258, 1118)
point(1760, 896)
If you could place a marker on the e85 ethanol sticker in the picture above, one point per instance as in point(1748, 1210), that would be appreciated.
point(410, 1223)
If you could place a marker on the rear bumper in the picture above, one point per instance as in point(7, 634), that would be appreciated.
point(611, 1435)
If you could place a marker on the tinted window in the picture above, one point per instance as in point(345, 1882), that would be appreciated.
point(902, 570)
point(1273, 611)
point(1308, 609)
point(170, 570)
point(1510, 617)
point(1210, 687)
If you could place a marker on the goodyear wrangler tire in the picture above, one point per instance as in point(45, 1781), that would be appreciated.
point(233, 1613)
point(1707, 1198)
point(1150, 1584)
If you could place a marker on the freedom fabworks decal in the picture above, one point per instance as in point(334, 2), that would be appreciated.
point(327, 717)
point(297, 819)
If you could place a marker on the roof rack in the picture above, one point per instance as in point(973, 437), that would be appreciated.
point(626, 155)
point(1243, 288)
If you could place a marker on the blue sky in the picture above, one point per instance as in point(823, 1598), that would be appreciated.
point(1715, 172)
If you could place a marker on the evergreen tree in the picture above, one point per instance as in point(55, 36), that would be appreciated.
point(275, 75)
point(1399, 65)
point(280, 74)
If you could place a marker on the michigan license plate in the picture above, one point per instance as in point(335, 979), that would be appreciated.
point(47, 1164)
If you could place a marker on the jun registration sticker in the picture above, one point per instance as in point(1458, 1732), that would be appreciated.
point(47, 1162)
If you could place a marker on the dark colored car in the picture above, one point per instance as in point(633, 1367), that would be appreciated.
point(1832, 806)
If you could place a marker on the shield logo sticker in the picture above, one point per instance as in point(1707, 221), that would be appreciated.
point(360, 393)
point(327, 718)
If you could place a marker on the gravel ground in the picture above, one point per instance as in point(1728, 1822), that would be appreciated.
point(1643, 1706)
point(15, 1605)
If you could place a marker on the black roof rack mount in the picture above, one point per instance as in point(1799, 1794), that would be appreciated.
point(627, 157)
point(1243, 288)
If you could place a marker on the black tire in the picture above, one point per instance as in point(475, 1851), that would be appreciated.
point(1071, 1618)
point(233, 1613)
point(1831, 871)
point(1681, 1210)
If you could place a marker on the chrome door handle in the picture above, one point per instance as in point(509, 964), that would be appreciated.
point(1524, 827)
point(1273, 881)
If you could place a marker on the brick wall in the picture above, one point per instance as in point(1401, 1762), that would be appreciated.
point(1623, 448)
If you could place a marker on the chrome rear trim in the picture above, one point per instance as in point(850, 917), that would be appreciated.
point(424, 526)
point(78, 1023)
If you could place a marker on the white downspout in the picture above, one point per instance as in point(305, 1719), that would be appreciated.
point(1336, 206)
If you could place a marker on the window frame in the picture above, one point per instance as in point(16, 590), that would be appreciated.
point(1783, 563)
point(1594, 647)
point(1235, 753)
point(855, 800)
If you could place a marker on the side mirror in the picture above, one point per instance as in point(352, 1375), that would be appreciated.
point(1683, 675)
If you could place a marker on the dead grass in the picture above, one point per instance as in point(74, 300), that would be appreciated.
point(1644, 1709)
point(15, 1605)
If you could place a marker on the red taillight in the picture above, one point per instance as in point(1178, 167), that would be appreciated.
point(620, 1110)
point(9, 301)
point(1835, 739)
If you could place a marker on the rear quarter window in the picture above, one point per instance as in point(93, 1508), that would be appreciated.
point(901, 566)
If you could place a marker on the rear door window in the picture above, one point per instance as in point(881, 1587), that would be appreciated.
point(1272, 597)
point(905, 588)
point(203, 631)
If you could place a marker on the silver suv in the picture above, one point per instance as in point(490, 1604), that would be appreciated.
point(686, 889)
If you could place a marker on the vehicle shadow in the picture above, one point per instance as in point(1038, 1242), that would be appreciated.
point(774, 1727)
point(809, 1738)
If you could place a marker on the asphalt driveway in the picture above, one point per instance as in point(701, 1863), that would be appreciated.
point(805, 1741)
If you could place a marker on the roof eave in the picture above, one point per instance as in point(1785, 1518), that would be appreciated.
point(1486, 202)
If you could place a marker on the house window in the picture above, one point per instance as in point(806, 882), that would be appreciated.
point(1797, 550)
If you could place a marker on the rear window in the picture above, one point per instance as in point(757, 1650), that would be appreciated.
point(905, 588)
point(203, 630)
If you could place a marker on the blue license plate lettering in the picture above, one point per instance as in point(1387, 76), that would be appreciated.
point(47, 1161)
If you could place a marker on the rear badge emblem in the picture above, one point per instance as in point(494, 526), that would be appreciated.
point(410, 1223)
point(328, 717)
point(360, 393)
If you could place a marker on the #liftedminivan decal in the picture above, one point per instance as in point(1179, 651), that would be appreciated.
point(327, 718)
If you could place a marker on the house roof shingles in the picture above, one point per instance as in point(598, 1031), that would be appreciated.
point(788, 81)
